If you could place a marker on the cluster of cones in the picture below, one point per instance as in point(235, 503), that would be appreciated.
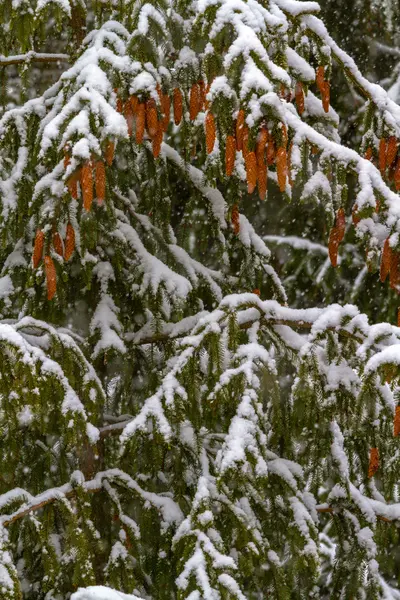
point(91, 177)
point(374, 453)
point(62, 248)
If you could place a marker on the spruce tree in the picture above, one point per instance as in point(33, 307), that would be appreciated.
point(176, 422)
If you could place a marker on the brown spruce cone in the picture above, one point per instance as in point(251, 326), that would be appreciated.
point(281, 168)
point(385, 261)
point(394, 272)
point(299, 96)
point(396, 177)
point(373, 462)
point(240, 130)
point(58, 244)
point(151, 118)
point(69, 244)
point(178, 105)
point(261, 145)
point(271, 150)
point(251, 171)
point(326, 93)
point(140, 122)
point(230, 155)
point(194, 101)
point(87, 185)
point(396, 421)
point(157, 141)
point(382, 156)
point(134, 100)
point(210, 132)
point(262, 180)
point(51, 277)
point(129, 116)
point(391, 150)
point(368, 153)
point(109, 152)
point(336, 235)
point(38, 248)
point(100, 181)
point(235, 219)
point(67, 157)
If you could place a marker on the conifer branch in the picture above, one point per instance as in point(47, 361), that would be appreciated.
point(32, 56)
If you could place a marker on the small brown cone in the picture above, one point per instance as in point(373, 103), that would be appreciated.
point(230, 155)
point(396, 422)
point(326, 94)
point(194, 101)
point(235, 219)
point(166, 108)
point(178, 105)
point(210, 132)
point(140, 122)
point(58, 244)
point(87, 185)
point(69, 245)
point(251, 171)
point(51, 277)
point(382, 156)
point(72, 183)
point(341, 223)
point(299, 96)
point(109, 152)
point(151, 118)
point(120, 105)
point(355, 216)
point(320, 77)
point(368, 153)
point(240, 130)
point(333, 246)
point(67, 158)
point(129, 116)
point(261, 145)
point(391, 150)
point(394, 273)
point(256, 291)
point(134, 100)
point(281, 168)
point(373, 462)
point(385, 261)
point(157, 141)
point(396, 176)
point(100, 181)
point(38, 248)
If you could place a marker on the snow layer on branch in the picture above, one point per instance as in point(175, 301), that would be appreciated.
point(100, 592)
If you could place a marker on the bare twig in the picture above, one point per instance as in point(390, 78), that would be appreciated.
point(32, 56)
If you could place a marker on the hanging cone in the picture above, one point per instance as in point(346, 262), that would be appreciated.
point(240, 130)
point(100, 181)
point(391, 150)
point(382, 156)
point(38, 248)
point(157, 141)
point(368, 153)
point(140, 122)
point(354, 215)
point(394, 273)
point(373, 462)
point(151, 118)
point(69, 244)
point(281, 168)
point(87, 185)
point(230, 155)
point(129, 116)
point(299, 96)
point(166, 108)
point(109, 152)
point(51, 277)
point(72, 183)
point(134, 100)
point(396, 422)
point(385, 261)
point(194, 101)
point(251, 171)
point(178, 105)
point(341, 223)
point(336, 235)
point(320, 77)
point(396, 177)
point(210, 132)
point(261, 145)
point(58, 244)
point(67, 158)
point(262, 180)
point(326, 93)
point(235, 219)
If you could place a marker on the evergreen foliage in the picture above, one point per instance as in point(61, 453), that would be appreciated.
point(174, 422)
